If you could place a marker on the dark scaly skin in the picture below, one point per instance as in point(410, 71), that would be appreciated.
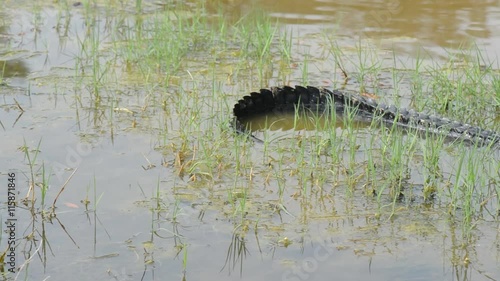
point(318, 99)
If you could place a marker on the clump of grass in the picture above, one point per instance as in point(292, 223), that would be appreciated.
point(352, 135)
point(461, 86)
point(285, 47)
point(35, 238)
point(165, 39)
point(334, 140)
point(369, 66)
point(257, 33)
point(471, 194)
point(2, 73)
point(278, 172)
point(389, 163)
point(32, 160)
point(432, 148)
point(305, 70)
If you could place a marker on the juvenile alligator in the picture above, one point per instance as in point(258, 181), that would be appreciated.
point(319, 99)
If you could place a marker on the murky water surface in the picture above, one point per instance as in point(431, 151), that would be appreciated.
point(150, 183)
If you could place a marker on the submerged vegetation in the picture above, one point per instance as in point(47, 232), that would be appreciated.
point(172, 75)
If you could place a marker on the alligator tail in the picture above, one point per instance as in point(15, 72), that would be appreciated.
point(288, 99)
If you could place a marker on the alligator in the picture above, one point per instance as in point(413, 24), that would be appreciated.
point(289, 99)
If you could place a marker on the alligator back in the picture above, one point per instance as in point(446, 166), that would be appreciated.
point(288, 99)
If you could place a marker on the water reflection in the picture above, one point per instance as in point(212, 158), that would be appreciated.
point(236, 253)
point(447, 24)
point(307, 121)
point(13, 68)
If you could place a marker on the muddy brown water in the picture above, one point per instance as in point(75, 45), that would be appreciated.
point(304, 217)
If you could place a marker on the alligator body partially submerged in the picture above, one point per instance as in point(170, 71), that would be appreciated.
point(288, 99)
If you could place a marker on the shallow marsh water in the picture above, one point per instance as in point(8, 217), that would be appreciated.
point(162, 188)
